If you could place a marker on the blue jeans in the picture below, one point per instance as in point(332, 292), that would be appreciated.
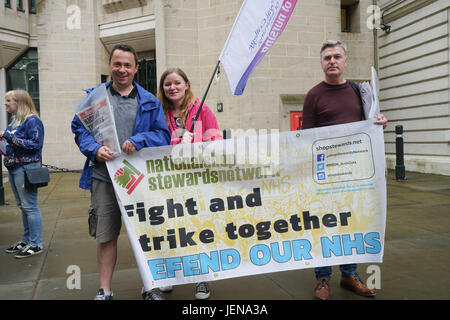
point(26, 199)
point(346, 270)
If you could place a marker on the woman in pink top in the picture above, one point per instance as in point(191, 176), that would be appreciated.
point(180, 107)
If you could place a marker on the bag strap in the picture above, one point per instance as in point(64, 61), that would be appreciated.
point(355, 87)
point(40, 161)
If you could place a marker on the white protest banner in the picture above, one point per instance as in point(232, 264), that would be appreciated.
point(209, 211)
point(258, 25)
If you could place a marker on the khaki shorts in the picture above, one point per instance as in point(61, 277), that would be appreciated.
point(104, 213)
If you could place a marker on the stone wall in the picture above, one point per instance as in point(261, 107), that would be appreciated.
point(189, 34)
point(414, 81)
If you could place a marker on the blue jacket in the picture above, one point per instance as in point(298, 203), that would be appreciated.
point(150, 130)
point(25, 143)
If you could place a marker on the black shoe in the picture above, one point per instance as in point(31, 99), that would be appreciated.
point(16, 247)
point(28, 251)
point(202, 291)
point(151, 295)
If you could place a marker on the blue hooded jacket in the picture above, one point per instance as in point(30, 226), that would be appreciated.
point(150, 130)
point(25, 143)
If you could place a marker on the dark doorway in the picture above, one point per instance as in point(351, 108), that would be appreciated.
point(146, 75)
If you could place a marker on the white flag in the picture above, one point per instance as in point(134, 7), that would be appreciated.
point(375, 111)
point(258, 25)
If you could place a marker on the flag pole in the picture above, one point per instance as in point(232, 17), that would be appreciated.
point(194, 120)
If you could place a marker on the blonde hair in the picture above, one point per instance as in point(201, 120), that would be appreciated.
point(25, 106)
point(189, 97)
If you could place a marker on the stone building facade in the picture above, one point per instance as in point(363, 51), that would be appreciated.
point(413, 64)
point(73, 39)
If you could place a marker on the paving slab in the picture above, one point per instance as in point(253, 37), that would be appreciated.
point(415, 264)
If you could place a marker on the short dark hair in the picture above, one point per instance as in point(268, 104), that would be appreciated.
point(124, 47)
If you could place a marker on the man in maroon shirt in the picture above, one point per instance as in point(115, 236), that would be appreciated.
point(331, 102)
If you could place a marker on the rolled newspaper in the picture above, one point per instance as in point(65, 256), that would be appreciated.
point(96, 114)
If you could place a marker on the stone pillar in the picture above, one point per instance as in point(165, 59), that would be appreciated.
point(3, 115)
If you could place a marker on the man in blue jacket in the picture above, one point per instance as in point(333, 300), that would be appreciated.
point(140, 123)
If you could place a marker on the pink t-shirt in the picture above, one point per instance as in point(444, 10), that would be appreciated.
point(206, 127)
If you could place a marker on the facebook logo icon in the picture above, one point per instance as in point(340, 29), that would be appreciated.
point(321, 157)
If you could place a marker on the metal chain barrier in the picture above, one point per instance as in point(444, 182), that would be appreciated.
point(55, 169)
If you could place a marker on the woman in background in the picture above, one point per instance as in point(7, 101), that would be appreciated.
point(25, 138)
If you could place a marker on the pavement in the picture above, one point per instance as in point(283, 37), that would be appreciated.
point(415, 265)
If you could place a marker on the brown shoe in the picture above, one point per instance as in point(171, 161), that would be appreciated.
point(354, 283)
point(322, 290)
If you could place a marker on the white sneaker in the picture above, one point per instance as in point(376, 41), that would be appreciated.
point(102, 296)
point(166, 289)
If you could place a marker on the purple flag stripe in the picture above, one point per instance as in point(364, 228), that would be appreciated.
point(278, 26)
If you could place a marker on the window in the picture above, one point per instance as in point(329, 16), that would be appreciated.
point(350, 16)
point(23, 74)
point(345, 19)
point(32, 6)
point(20, 5)
point(8, 3)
